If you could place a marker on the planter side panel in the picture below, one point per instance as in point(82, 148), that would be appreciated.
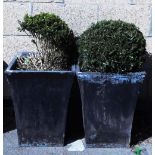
point(40, 105)
point(108, 110)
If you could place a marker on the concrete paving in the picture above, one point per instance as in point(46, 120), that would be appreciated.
point(10, 147)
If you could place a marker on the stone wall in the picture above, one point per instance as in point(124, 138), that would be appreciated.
point(79, 14)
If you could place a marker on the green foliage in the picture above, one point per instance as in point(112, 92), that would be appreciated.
point(50, 32)
point(112, 46)
point(138, 150)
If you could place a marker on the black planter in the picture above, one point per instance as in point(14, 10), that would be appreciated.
point(40, 101)
point(108, 103)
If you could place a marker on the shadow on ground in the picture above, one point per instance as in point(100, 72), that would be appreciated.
point(8, 111)
point(142, 123)
point(74, 126)
point(8, 116)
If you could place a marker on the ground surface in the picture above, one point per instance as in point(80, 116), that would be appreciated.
point(75, 148)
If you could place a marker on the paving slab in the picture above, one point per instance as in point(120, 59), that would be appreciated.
point(10, 147)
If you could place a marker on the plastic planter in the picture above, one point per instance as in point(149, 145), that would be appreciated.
point(40, 101)
point(108, 103)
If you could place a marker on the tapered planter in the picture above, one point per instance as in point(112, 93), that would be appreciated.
point(40, 101)
point(108, 103)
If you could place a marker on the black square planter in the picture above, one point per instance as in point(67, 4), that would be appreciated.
point(40, 101)
point(108, 103)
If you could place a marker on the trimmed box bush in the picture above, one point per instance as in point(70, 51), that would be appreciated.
point(54, 40)
point(112, 46)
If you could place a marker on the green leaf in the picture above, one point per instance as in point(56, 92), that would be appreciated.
point(137, 150)
point(27, 61)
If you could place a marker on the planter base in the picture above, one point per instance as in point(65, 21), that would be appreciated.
point(111, 139)
point(42, 139)
point(105, 145)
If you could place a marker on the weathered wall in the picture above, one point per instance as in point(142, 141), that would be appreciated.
point(79, 14)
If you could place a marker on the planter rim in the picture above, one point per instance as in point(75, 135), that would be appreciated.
point(112, 74)
point(9, 69)
point(115, 78)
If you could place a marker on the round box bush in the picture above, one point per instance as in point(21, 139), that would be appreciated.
point(53, 36)
point(112, 46)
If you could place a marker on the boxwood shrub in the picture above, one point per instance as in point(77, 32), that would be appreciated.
point(53, 36)
point(112, 46)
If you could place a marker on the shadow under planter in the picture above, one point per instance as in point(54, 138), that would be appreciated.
point(74, 124)
point(8, 116)
point(142, 123)
point(108, 102)
point(6, 90)
point(40, 100)
point(8, 111)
